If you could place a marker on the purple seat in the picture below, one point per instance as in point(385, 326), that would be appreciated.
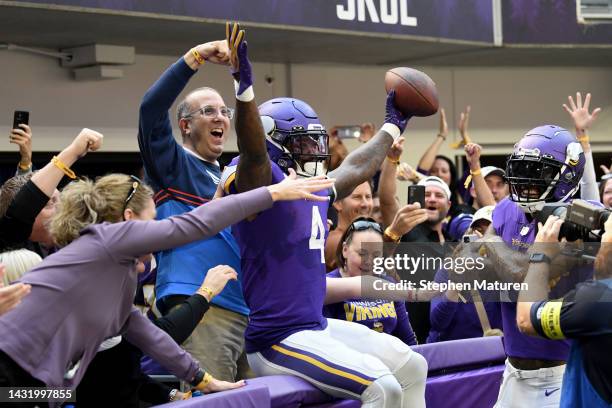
point(475, 367)
point(468, 353)
point(249, 396)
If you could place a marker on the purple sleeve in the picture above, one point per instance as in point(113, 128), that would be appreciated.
point(157, 344)
point(422, 171)
point(403, 330)
point(131, 239)
point(442, 310)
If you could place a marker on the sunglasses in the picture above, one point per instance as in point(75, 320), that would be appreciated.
point(136, 182)
point(364, 225)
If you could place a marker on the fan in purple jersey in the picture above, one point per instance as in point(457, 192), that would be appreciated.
point(546, 166)
point(282, 252)
point(360, 244)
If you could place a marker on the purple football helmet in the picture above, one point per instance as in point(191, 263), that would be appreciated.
point(545, 167)
point(295, 136)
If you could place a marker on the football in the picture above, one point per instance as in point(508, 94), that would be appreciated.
point(415, 92)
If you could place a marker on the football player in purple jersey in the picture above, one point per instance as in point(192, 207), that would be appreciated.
point(545, 167)
point(282, 253)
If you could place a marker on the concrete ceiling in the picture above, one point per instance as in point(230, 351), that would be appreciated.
point(54, 29)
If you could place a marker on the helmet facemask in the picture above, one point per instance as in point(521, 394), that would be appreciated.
point(536, 179)
point(304, 150)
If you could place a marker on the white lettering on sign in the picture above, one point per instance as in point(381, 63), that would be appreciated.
point(390, 11)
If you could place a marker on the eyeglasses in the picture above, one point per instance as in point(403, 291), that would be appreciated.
point(365, 224)
point(211, 112)
point(135, 183)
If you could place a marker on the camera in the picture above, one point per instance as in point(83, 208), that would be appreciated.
point(580, 217)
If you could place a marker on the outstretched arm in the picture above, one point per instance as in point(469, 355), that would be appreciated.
point(254, 168)
point(162, 156)
point(484, 196)
point(387, 185)
point(428, 158)
point(583, 119)
point(22, 137)
point(362, 164)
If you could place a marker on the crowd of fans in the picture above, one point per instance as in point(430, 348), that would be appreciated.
point(71, 261)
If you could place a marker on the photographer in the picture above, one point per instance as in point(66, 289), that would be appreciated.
point(584, 315)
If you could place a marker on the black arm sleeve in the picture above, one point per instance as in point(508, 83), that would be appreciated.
point(182, 320)
point(16, 225)
point(153, 391)
point(583, 312)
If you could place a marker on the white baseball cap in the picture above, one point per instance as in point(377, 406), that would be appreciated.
point(484, 213)
point(492, 171)
point(436, 182)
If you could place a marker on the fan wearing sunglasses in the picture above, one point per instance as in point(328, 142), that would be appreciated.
point(359, 245)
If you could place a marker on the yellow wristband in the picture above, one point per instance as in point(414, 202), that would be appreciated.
point(396, 162)
point(468, 179)
point(392, 236)
point(207, 290)
point(198, 57)
point(24, 168)
point(205, 381)
point(584, 139)
point(60, 165)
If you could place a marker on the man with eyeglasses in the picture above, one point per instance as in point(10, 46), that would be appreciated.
point(183, 177)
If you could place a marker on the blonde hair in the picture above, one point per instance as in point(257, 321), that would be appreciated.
point(17, 263)
point(85, 202)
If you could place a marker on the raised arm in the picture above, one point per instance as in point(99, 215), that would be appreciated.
point(155, 140)
point(22, 137)
point(399, 221)
point(428, 158)
point(48, 178)
point(484, 196)
point(387, 184)
point(583, 119)
point(254, 168)
point(361, 164)
point(18, 219)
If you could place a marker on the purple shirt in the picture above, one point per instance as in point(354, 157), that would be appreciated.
point(512, 225)
point(83, 293)
point(283, 266)
point(458, 320)
point(383, 316)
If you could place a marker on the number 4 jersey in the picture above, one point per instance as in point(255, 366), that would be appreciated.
point(283, 265)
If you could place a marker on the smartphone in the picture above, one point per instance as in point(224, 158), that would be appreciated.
point(470, 238)
point(21, 117)
point(349, 132)
point(416, 194)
